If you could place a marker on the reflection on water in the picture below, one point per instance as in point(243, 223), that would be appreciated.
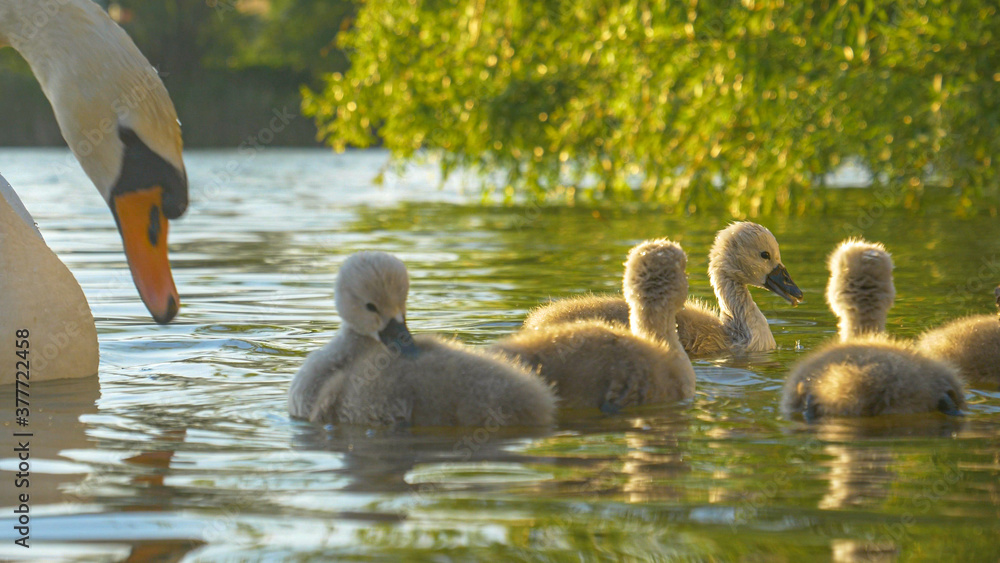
point(182, 448)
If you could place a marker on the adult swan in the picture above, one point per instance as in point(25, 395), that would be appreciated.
point(116, 117)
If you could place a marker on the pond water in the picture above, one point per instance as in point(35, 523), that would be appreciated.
point(182, 448)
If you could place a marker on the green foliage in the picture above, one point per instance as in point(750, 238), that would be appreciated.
point(750, 103)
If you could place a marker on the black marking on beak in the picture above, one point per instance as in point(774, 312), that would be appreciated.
point(781, 284)
point(154, 225)
point(396, 336)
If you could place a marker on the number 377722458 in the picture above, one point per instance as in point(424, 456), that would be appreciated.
point(22, 368)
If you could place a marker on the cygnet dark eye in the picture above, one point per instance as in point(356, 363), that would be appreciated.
point(371, 307)
point(765, 255)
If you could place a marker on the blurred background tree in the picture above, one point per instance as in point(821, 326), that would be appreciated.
point(749, 104)
point(228, 64)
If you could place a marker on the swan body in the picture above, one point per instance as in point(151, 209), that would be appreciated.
point(743, 254)
point(374, 372)
point(59, 335)
point(867, 373)
point(120, 124)
point(971, 343)
point(593, 363)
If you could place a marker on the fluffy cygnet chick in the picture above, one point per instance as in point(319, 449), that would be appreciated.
point(743, 254)
point(374, 372)
point(860, 291)
point(867, 373)
point(971, 343)
point(596, 364)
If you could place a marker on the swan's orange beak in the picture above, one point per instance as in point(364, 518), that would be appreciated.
point(144, 232)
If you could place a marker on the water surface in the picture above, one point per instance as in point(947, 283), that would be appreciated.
point(182, 448)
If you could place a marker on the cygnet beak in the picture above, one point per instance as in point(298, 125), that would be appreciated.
point(396, 335)
point(779, 282)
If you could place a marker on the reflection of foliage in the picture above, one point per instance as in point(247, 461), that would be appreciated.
point(676, 98)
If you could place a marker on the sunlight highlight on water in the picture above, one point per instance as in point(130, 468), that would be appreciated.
point(182, 448)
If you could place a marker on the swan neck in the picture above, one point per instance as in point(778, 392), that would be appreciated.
point(36, 30)
point(735, 301)
point(740, 315)
point(40, 294)
point(655, 324)
point(96, 80)
point(854, 325)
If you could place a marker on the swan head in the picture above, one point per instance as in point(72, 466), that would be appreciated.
point(117, 118)
point(148, 192)
point(861, 290)
point(748, 253)
point(655, 276)
point(371, 295)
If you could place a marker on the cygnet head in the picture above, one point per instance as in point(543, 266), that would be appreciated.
point(748, 253)
point(860, 291)
point(655, 276)
point(371, 297)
